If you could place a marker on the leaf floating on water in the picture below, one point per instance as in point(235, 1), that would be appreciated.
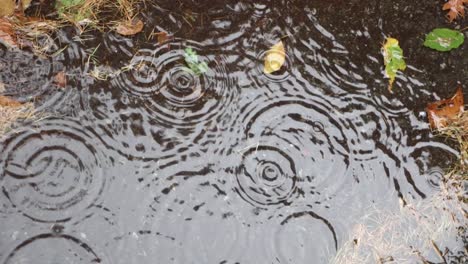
point(129, 28)
point(393, 59)
point(275, 58)
point(191, 58)
point(8, 102)
point(444, 39)
point(442, 112)
point(455, 9)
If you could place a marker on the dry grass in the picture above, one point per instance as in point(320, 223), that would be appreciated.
point(420, 231)
point(416, 234)
point(458, 131)
point(100, 14)
point(9, 115)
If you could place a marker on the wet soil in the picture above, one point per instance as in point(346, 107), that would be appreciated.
point(154, 164)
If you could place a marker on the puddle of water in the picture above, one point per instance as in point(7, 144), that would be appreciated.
point(232, 166)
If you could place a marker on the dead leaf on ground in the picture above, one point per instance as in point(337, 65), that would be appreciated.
point(7, 7)
point(8, 102)
point(7, 34)
point(275, 58)
point(162, 37)
point(442, 112)
point(455, 9)
point(128, 28)
point(60, 79)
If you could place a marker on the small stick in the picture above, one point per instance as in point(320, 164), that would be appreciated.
point(437, 250)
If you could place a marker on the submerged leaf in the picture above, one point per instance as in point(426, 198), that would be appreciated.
point(191, 58)
point(128, 28)
point(393, 59)
point(442, 112)
point(444, 39)
point(275, 58)
point(455, 9)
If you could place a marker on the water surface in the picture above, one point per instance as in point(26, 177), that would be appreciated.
point(159, 165)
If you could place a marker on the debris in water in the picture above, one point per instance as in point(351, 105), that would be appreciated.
point(393, 59)
point(191, 58)
point(442, 112)
point(275, 58)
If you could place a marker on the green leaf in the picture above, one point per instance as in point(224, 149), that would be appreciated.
point(191, 58)
point(393, 59)
point(444, 39)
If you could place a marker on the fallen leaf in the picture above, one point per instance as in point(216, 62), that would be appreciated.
point(444, 39)
point(7, 34)
point(7, 7)
point(275, 58)
point(8, 102)
point(162, 37)
point(128, 28)
point(393, 59)
point(192, 60)
point(442, 112)
point(455, 9)
point(60, 79)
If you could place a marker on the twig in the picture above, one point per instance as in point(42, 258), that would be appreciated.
point(437, 250)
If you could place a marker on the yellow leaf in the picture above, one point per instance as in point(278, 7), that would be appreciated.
point(275, 58)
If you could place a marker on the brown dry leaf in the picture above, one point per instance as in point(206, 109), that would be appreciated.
point(128, 28)
point(442, 112)
point(7, 7)
point(162, 37)
point(455, 9)
point(8, 102)
point(7, 34)
point(60, 79)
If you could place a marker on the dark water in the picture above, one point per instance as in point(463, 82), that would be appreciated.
point(157, 165)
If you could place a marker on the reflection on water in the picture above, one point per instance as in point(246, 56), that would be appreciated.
point(231, 166)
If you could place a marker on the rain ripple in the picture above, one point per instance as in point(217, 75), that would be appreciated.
point(163, 104)
point(53, 171)
point(292, 148)
point(54, 248)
